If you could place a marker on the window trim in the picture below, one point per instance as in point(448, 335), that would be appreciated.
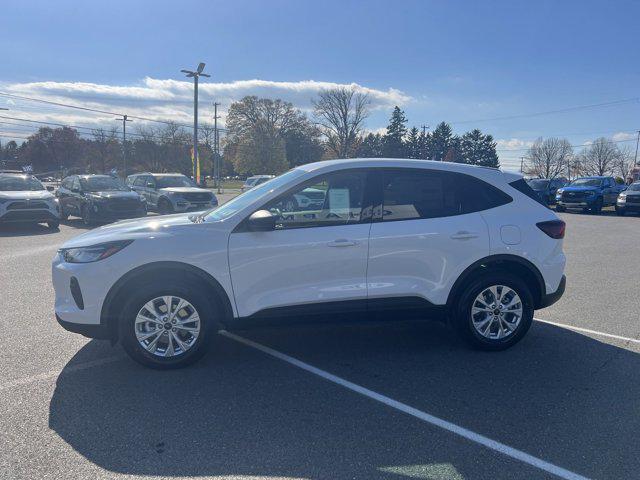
point(367, 202)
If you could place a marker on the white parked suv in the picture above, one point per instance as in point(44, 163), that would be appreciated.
point(470, 245)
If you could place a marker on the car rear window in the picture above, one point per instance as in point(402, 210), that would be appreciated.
point(523, 187)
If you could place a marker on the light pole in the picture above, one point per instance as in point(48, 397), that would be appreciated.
point(196, 75)
point(635, 158)
point(124, 121)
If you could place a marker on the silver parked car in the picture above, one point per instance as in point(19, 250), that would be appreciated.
point(171, 192)
point(254, 181)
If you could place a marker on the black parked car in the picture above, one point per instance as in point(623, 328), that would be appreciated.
point(629, 200)
point(98, 198)
point(546, 188)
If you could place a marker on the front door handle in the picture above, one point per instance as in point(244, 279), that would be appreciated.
point(464, 235)
point(342, 242)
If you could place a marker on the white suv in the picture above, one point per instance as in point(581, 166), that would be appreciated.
point(470, 245)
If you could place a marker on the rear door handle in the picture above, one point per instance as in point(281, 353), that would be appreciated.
point(342, 242)
point(464, 235)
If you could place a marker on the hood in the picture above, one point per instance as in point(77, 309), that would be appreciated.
point(114, 194)
point(147, 227)
point(184, 190)
point(27, 194)
point(580, 189)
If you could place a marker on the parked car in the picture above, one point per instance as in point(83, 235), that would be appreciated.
point(254, 181)
point(23, 198)
point(588, 194)
point(98, 198)
point(171, 192)
point(629, 200)
point(469, 245)
point(546, 188)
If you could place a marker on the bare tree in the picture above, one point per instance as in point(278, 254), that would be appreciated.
point(599, 158)
point(549, 158)
point(341, 112)
point(624, 162)
point(105, 148)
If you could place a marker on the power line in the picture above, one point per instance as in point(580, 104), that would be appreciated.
point(572, 146)
point(550, 112)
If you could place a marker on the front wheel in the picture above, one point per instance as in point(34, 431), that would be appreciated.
point(620, 211)
point(560, 208)
point(597, 207)
point(164, 206)
point(494, 311)
point(53, 225)
point(87, 217)
point(166, 326)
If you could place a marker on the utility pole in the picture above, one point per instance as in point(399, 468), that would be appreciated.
point(424, 129)
point(196, 75)
point(635, 159)
point(216, 160)
point(124, 121)
point(521, 164)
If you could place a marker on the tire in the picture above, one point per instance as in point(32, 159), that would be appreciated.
point(597, 207)
point(620, 211)
point(53, 225)
point(560, 208)
point(189, 291)
point(63, 215)
point(469, 325)
point(164, 206)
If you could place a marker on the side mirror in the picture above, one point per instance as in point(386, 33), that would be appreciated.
point(50, 188)
point(261, 221)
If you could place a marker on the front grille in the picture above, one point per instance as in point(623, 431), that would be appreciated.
point(26, 205)
point(635, 199)
point(123, 205)
point(197, 196)
point(28, 215)
point(573, 196)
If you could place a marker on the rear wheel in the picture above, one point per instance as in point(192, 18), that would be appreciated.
point(494, 311)
point(54, 224)
point(164, 326)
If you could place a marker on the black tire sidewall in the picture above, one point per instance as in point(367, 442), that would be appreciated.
point(164, 206)
point(463, 320)
point(188, 290)
point(86, 214)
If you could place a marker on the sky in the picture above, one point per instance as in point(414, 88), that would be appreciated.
point(497, 66)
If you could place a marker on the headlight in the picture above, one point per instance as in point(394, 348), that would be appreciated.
point(3, 200)
point(622, 196)
point(92, 253)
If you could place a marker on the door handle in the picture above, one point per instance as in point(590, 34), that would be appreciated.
point(342, 242)
point(464, 235)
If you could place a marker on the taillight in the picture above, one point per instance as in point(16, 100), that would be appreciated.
point(553, 228)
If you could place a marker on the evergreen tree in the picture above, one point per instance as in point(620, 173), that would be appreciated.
point(443, 143)
point(424, 146)
point(394, 146)
point(371, 146)
point(478, 149)
point(413, 143)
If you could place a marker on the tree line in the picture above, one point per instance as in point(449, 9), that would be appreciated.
point(555, 157)
point(263, 136)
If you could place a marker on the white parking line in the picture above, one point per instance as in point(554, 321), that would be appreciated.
point(56, 373)
point(426, 417)
point(592, 332)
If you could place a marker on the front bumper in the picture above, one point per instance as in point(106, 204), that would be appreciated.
point(630, 207)
point(32, 216)
point(551, 298)
point(108, 213)
point(91, 331)
point(180, 205)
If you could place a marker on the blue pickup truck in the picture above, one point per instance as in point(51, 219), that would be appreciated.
point(588, 194)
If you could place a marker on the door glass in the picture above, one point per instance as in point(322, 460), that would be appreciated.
point(76, 184)
point(332, 199)
point(413, 194)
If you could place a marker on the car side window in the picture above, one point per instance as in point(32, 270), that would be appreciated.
point(420, 193)
point(328, 200)
point(66, 183)
point(76, 184)
point(140, 181)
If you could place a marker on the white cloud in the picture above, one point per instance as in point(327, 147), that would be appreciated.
point(515, 144)
point(623, 136)
point(167, 99)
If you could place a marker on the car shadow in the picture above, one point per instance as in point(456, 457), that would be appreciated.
point(25, 229)
point(559, 395)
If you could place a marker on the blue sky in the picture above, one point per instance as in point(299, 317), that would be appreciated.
point(461, 62)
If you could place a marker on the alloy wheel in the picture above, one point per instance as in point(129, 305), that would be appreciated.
point(167, 326)
point(496, 312)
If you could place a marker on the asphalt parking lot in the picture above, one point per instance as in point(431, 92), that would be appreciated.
point(378, 400)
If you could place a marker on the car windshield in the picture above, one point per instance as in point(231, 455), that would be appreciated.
point(586, 182)
point(250, 196)
point(539, 184)
point(173, 181)
point(18, 183)
point(635, 187)
point(101, 184)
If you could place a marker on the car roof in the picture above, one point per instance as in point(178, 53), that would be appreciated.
point(94, 175)
point(12, 174)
